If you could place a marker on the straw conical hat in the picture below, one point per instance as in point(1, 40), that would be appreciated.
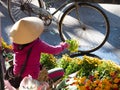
point(26, 30)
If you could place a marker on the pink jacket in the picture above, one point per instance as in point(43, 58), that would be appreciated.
point(33, 64)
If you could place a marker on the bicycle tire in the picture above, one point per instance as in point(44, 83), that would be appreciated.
point(22, 8)
point(69, 28)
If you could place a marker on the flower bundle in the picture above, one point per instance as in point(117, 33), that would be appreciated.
point(6, 50)
point(93, 74)
point(48, 61)
point(74, 45)
point(5, 45)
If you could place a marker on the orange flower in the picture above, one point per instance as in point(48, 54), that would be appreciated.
point(116, 80)
point(115, 86)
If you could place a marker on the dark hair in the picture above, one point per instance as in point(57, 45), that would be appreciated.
point(21, 46)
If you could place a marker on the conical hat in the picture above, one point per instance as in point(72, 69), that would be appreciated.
point(26, 30)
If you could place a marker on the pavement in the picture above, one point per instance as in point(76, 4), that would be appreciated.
point(110, 50)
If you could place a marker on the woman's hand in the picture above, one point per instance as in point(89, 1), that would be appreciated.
point(64, 44)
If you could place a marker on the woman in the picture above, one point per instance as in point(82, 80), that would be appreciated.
point(25, 36)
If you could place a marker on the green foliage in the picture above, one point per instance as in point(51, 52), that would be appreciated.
point(8, 55)
point(70, 65)
point(63, 62)
point(48, 61)
point(88, 65)
point(73, 45)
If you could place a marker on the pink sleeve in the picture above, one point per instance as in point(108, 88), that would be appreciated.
point(47, 48)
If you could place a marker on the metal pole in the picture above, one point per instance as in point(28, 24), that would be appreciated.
point(1, 68)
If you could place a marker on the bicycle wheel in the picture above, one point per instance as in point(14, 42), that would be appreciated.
point(87, 23)
point(22, 8)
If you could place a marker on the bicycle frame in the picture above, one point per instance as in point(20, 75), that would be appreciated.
point(66, 3)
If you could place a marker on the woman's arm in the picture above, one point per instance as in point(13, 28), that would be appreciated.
point(47, 48)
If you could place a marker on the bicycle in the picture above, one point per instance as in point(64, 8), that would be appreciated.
point(83, 21)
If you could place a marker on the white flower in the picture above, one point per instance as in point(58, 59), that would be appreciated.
point(28, 83)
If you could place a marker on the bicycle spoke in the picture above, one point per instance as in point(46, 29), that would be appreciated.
point(85, 24)
point(22, 8)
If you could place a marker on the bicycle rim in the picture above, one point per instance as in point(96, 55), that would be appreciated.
point(22, 8)
point(91, 31)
